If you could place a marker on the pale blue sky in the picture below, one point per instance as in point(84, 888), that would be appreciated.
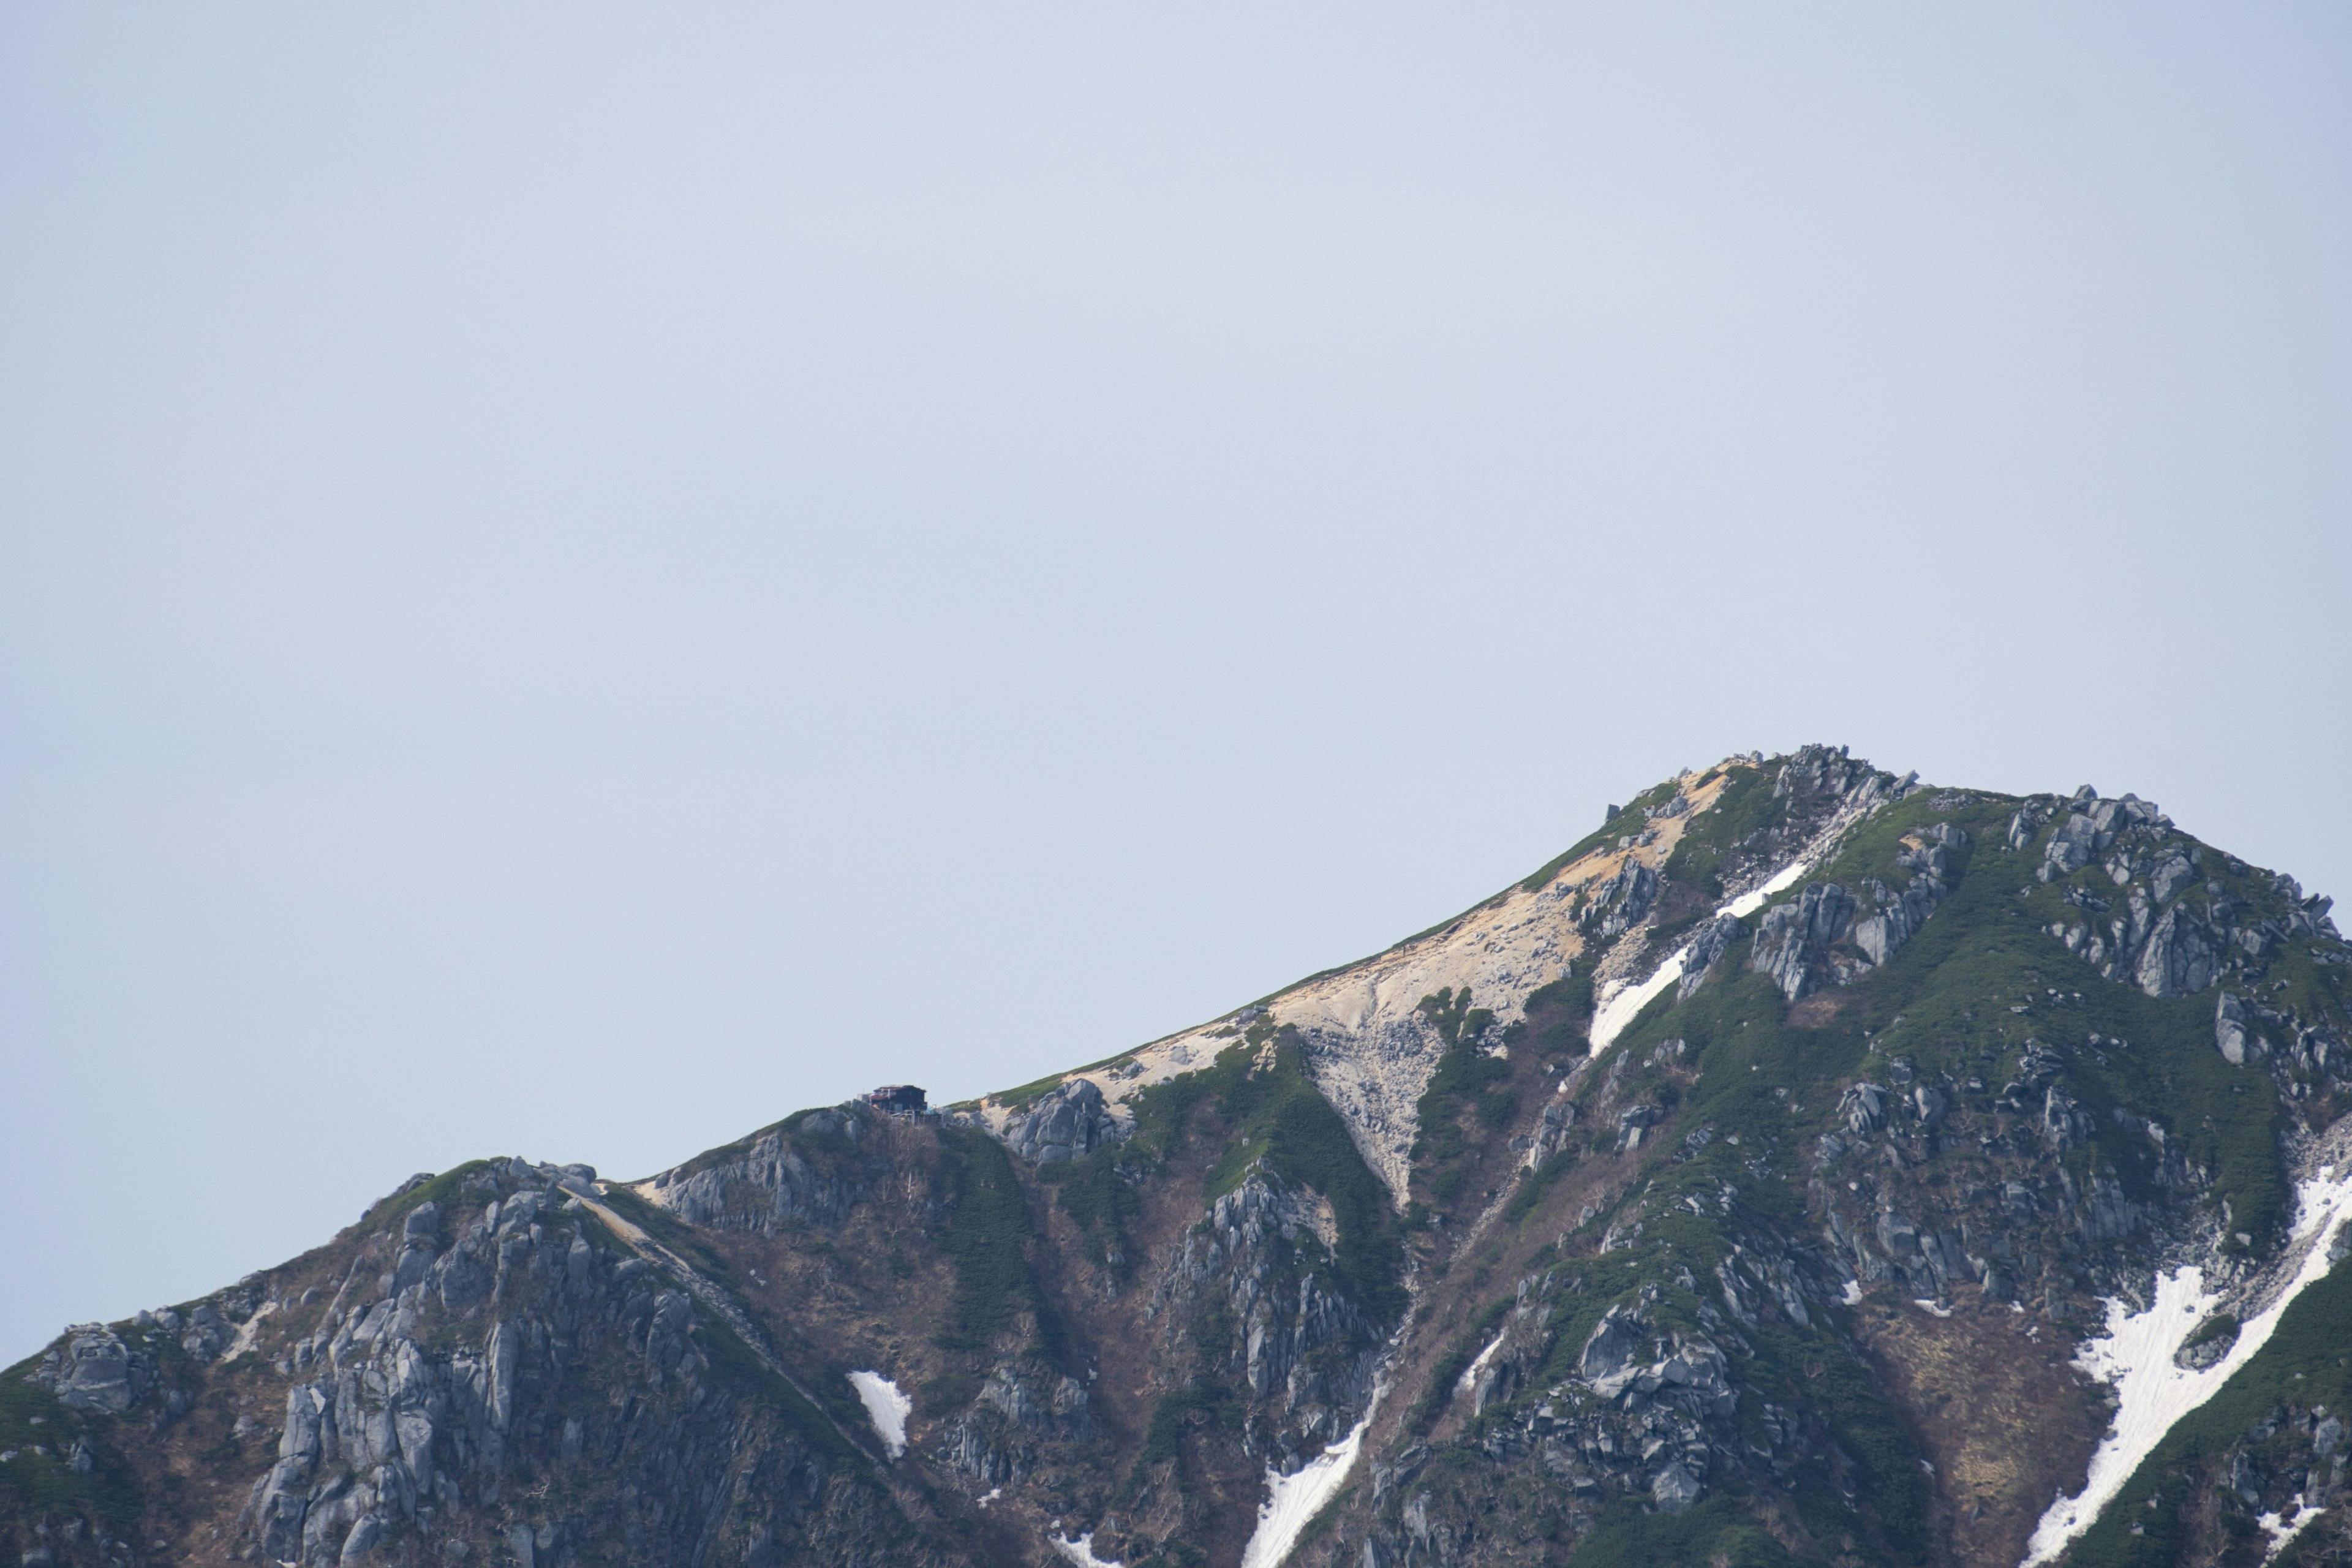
point(574, 579)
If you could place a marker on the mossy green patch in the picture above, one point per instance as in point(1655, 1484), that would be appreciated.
point(445, 1190)
point(985, 1233)
point(40, 1482)
point(1465, 1086)
point(1716, 1532)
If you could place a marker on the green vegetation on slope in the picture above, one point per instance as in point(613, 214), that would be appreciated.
point(41, 1480)
point(1278, 1118)
point(1464, 1099)
point(985, 1234)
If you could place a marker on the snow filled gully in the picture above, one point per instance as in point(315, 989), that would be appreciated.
point(885, 1408)
point(1625, 1005)
point(2136, 1355)
point(1294, 1500)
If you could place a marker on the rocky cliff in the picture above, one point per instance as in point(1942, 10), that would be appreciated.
point(1812, 1165)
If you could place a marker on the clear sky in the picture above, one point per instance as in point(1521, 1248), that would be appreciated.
point(575, 578)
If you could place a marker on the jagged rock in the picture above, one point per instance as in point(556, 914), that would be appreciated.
point(2022, 826)
point(1863, 1107)
point(2064, 1123)
point(1553, 1124)
point(95, 1371)
point(1615, 906)
point(2172, 874)
point(1065, 1122)
point(1706, 945)
point(2071, 848)
point(769, 1183)
point(2229, 1029)
point(1633, 1123)
point(1305, 1348)
point(2177, 960)
point(1674, 1489)
point(1792, 943)
point(1899, 916)
point(436, 1368)
point(1609, 1350)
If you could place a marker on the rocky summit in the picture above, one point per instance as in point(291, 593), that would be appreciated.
point(1811, 1166)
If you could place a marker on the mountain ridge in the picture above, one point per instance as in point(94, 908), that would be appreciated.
point(1541, 1235)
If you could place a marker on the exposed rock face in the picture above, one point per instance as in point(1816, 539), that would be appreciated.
point(1862, 1106)
point(2229, 1029)
point(1708, 944)
point(2176, 961)
point(766, 1183)
point(406, 1417)
point(1899, 916)
point(95, 1371)
point(1063, 1123)
point(1613, 907)
point(1304, 1350)
point(1793, 942)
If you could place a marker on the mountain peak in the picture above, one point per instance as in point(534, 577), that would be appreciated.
point(1745, 1184)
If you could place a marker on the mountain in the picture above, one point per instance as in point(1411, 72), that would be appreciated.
point(1809, 1166)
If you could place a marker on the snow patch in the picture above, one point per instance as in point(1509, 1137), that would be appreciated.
point(1748, 903)
point(1853, 1293)
point(246, 1334)
point(1081, 1552)
point(1294, 1500)
point(1925, 1304)
point(1478, 1364)
point(885, 1408)
point(2136, 1355)
point(2280, 1531)
point(1624, 1005)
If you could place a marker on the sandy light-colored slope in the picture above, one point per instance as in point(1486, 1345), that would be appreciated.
point(1368, 1046)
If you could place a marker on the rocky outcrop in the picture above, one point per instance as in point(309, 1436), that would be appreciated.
point(1898, 917)
point(407, 1417)
point(1304, 1350)
point(1793, 943)
point(808, 1171)
point(1066, 1123)
point(2230, 1035)
point(2177, 960)
point(1617, 904)
point(2090, 826)
point(1708, 945)
point(93, 1370)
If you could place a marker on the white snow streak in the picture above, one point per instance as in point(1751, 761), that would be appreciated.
point(1081, 1552)
point(885, 1408)
point(1748, 903)
point(2136, 1355)
point(1624, 1005)
point(1294, 1500)
point(1853, 1293)
point(1478, 1364)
